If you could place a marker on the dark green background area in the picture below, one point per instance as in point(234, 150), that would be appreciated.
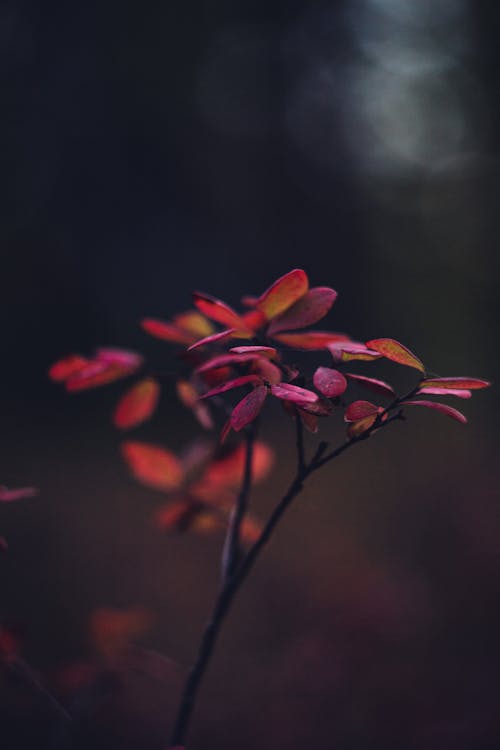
point(153, 149)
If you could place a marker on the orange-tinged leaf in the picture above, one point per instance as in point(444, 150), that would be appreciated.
point(442, 408)
point(460, 383)
point(167, 331)
point(113, 631)
point(217, 310)
point(137, 404)
point(357, 428)
point(331, 383)
point(228, 470)
point(283, 293)
point(66, 367)
point(236, 383)
point(18, 493)
point(178, 515)
point(309, 309)
point(254, 319)
point(372, 384)
point(345, 351)
point(294, 393)
point(310, 341)
point(194, 323)
point(248, 408)
point(359, 410)
point(396, 352)
point(432, 391)
point(153, 465)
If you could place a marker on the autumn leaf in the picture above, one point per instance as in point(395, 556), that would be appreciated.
point(137, 404)
point(449, 411)
point(309, 309)
point(248, 408)
point(331, 383)
point(153, 465)
point(283, 293)
point(396, 352)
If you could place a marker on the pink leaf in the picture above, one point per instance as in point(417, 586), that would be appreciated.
point(294, 393)
point(310, 341)
point(458, 392)
point(443, 408)
point(393, 350)
point(248, 408)
point(283, 293)
point(360, 410)
point(166, 331)
point(210, 339)
point(267, 371)
point(236, 383)
point(18, 493)
point(309, 309)
point(137, 404)
point(460, 383)
point(331, 383)
point(262, 351)
point(223, 360)
point(372, 384)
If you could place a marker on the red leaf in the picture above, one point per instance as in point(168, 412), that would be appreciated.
point(355, 429)
point(248, 408)
point(312, 341)
point(372, 384)
point(194, 323)
point(137, 404)
point(360, 410)
point(18, 493)
point(65, 368)
point(227, 472)
point(236, 383)
point(262, 351)
point(166, 331)
point(458, 392)
point(217, 310)
point(309, 309)
point(153, 466)
point(294, 393)
point(443, 408)
point(107, 366)
point(349, 350)
point(460, 383)
point(396, 352)
point(210, 339)
point(283, 293)
point(267, 371)
point(223, 360)
point(331, 383)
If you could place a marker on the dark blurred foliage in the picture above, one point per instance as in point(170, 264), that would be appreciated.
point(155, 148)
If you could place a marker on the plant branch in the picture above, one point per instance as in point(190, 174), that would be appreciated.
point(232, 546)
point(233, 582)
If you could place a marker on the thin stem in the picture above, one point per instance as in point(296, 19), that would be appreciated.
point(233, 583)
point(299, 442)
point(232, 546)
point(23, 671)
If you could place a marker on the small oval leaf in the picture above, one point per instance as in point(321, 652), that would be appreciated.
point(248, 408)
point(360, 410)
point(331, 383)
point(137, 404)
point(443, 408)
point(153, 465)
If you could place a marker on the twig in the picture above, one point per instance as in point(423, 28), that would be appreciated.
point(234, 582)
point(232, 545)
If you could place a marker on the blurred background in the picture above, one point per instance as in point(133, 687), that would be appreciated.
point(155, 148)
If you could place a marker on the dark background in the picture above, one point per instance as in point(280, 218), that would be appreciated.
point(152, 149)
